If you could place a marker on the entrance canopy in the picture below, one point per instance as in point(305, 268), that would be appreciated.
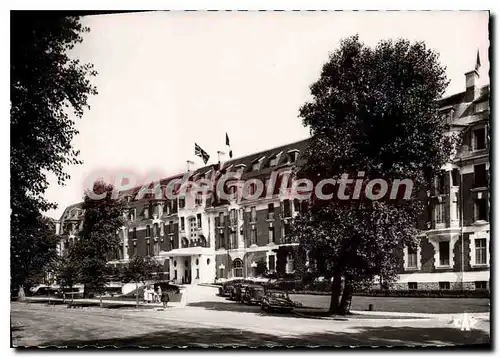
point(187, 251)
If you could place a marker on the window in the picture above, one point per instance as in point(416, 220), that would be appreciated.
point(182, 203)
point(273, 162)
point(480, 176)
point(480, 285)
point(146, 213)
point(439, 213)
point(447, 115)
point(232, 216)
point(175, 274)
point(455, 175)
point(286, 208)
point(241, 213)
point(253, 214)
point(168, 207)
point(253, 236)
point(481, 106)
point(444, 285)
point(198, 199)
point(197, 273)
point(287, 232)
point(296, 205)
point(251, 189)
point(480, 212)
point(132, 214)
point(198, 218)
point(237, 268)
point(289, 264)
point(148, 248)
point(270, 211)
point(480, 251)
point(272, 262)
point(182, 224)
point(412, 257)
point(479, 136)
point(444, 253)
point(234, 240)
point(157, 249)
point(271, 234)
point(148, 231)
point(292, 157)
point(222, 243)
point(221, 273)
point(412, 286)
point(193, 234)
point(221, 219)
point(134, 249)
point(174, 206)
point(441, 182)
point(171, 227)
point(255, 166)
point(155, 230)
point(134, 233)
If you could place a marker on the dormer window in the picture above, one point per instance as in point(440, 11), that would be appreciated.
point(481, 106)
point(240, 168)
point(479, 139)
point(447, 114)
point(256, 164)
point(292, 155)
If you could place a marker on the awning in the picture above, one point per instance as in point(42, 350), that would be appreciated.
point(187, 251)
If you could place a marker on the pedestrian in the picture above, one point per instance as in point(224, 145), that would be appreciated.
point(165, 298)
point(158, 294)
point(145, 294)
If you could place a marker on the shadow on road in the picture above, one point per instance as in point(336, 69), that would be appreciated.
point(374, 336)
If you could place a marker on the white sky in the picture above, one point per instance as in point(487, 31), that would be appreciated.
point(167, 80)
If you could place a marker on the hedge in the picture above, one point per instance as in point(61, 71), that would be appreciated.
point(408, 293)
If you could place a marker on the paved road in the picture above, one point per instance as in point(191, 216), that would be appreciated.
point(37, 324)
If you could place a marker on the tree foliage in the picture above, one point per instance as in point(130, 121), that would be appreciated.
point(49, 91)
point(32, 252)
point(373, 110)
point(98, 238)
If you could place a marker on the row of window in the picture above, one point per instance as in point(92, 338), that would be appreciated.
point(444, 254)
point(480, 178)
point(445, 285)
point(480, 210)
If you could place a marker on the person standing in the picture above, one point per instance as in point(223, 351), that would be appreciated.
point(158, 294)
point(165, 298)
point(145, 294)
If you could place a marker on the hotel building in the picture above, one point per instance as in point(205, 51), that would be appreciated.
point(199, 240)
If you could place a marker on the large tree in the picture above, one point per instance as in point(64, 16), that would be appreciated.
point(98, 239)
point(374, 110)
point(49, 91)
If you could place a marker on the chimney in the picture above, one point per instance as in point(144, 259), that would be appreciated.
point(472, 82)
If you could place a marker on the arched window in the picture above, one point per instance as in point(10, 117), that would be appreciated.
point(185, 242)
point(203, 241)
point(155, 230)
point(237, 268)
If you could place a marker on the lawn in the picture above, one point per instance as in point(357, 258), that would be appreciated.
point(401, 304)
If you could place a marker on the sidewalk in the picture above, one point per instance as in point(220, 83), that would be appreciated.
point(104, 301)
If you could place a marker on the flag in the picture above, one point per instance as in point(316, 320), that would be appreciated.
point(229, 146)
point(478, 62)
point(198, 151)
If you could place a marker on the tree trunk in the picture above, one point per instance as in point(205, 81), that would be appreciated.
point(345, 302)
point(336, 288)
point(136, 295)
point(21, 296)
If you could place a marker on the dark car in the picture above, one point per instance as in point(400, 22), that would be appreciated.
point(253, 294)
point(168, 287)
point(276, 300)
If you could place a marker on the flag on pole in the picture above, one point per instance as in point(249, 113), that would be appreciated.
point(198, 151)
point(229, 146)
point(478, 61)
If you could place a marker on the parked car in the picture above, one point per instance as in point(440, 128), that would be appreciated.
point(253, 294)
point(45, 291)
point(276, 300)
point(168, 287)
point(229, 288)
